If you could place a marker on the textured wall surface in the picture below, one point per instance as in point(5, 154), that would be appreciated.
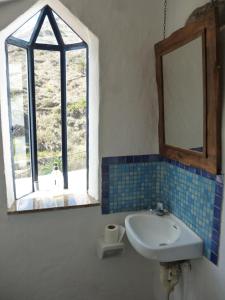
point(51, 255)
point(205, 281)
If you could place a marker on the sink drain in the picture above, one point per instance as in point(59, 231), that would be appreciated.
point(163, 244)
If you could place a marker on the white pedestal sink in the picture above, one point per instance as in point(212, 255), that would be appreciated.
point(164, 239)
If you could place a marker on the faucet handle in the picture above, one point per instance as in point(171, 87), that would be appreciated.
point(159, 210)
point(159, 206)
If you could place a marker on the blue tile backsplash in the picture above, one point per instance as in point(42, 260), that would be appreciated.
point(132, 183)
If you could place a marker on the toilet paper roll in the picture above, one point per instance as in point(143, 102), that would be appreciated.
point(111, 235)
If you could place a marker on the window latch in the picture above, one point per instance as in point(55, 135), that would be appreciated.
point(12, 129)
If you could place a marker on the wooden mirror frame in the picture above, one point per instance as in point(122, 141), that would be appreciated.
point(207, 27)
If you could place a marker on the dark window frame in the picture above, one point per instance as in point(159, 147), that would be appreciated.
point(62, 48)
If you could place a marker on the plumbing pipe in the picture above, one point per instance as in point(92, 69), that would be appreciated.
point(169, 276)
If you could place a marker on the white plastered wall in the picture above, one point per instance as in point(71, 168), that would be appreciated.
point(205, 281)
point(51, 255)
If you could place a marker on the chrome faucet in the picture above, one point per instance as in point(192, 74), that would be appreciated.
point(160, 210)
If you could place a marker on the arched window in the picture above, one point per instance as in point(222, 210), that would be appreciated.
point(47, 70)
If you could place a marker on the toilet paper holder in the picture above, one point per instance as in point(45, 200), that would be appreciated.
point(105, 249)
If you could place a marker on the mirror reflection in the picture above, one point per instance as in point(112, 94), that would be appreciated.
point(184, 96)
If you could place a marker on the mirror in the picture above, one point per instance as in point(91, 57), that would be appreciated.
point(184, 96)
point(188, 81)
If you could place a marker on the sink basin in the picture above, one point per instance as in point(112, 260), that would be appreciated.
point(164, 239)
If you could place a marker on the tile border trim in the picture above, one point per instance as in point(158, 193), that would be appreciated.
point(218, 202)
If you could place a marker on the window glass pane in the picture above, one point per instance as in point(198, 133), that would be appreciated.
point(76, 119)
point(19, 104)
point(25, 31)
point(46, 34)
point(68, 35)
point(48, 118)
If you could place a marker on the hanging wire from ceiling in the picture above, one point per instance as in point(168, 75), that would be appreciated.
point(165, 18)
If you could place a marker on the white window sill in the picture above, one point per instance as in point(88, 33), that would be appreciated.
point(42, 201)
